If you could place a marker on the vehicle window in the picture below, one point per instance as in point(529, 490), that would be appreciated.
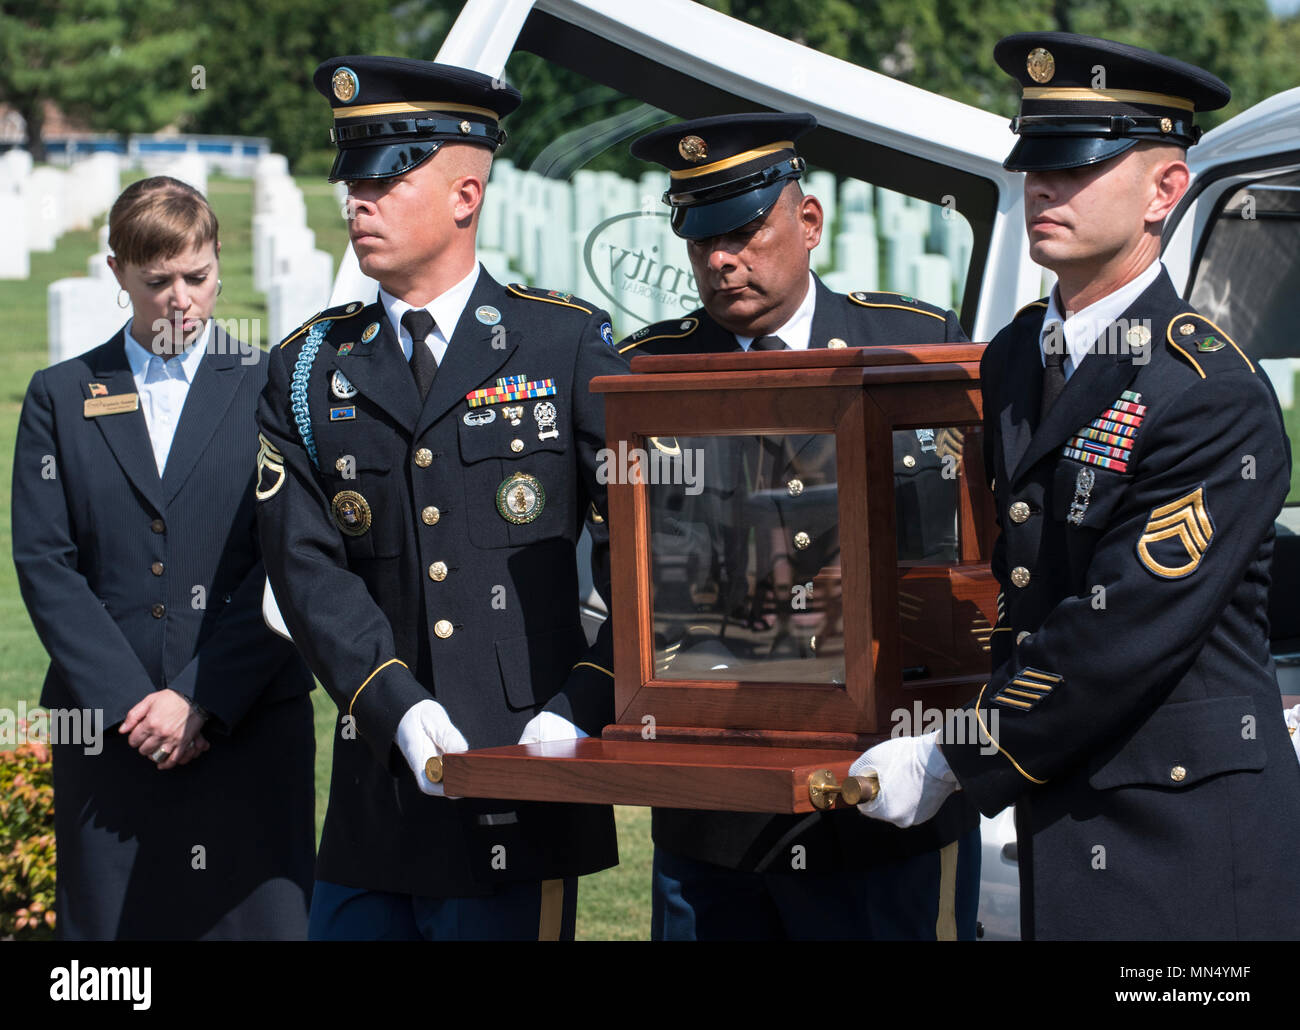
point(1246, 281)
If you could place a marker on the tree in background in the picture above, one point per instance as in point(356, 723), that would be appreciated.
point(259, 58)
point(244, 67)
point(946, 46)
point(118, 65)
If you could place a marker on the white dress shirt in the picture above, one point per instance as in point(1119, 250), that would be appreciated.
point(446, 310)
point(163, 385)
point(1083, 328)
point(798, 330)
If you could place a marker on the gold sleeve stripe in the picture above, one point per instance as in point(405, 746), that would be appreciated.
point(1001, 750)
point(1022, 693)
point(1002, 698)
point(1034, 674)
point(363, 686)
point(593, 665)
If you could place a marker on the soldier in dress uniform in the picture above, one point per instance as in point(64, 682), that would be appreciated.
point(426, 459)
point(1138, 462)
point(749, 230)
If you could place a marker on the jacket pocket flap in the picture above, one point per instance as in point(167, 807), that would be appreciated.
point(499, 439)
point(534, 668)
point(1183, 744)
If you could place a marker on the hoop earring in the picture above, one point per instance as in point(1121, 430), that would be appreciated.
point(218, 287)
point(119, 299)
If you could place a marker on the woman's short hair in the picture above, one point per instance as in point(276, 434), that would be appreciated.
point(158, 218)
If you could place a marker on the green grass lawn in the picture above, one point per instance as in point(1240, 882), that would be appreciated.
point(613, 905)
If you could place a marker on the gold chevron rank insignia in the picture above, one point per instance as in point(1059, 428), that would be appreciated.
point(1177, 536)
point(270, 470)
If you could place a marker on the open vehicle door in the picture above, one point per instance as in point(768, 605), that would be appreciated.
point(1234, 247)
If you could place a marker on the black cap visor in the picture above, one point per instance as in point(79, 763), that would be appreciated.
point(701, 221)
point(1049, 153)
point(382, 161)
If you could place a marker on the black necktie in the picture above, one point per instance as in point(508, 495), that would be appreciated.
point(1053, 369)
point(769, 343)
point(419, 323)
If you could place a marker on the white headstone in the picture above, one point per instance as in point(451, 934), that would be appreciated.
point(14, 259)
point(294, 298)
point(83, 313)
point(19, 163)
point(43, 201)
point(188, 168)
point(932, 279)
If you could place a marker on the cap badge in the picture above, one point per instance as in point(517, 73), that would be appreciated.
point(693, 149)
point(465, 128)
point(345, 84)
point(1041, 65)
point(1166, 125)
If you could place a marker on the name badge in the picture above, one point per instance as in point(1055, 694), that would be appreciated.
point(114, 404)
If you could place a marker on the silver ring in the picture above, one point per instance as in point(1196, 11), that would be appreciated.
point(159, 755)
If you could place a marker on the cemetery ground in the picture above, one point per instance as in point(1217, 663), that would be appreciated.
point(612, 905)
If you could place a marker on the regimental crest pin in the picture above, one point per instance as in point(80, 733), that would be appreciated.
point(520, 498)
point(351, 512)
point(341, 387)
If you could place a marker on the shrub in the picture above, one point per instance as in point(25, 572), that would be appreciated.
point(27, 842)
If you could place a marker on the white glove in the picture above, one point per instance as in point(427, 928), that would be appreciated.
point(548, 727)
point(425, 732)
point(915, 779)
point(1293, 724)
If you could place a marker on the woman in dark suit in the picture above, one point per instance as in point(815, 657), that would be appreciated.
point(188, 813)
